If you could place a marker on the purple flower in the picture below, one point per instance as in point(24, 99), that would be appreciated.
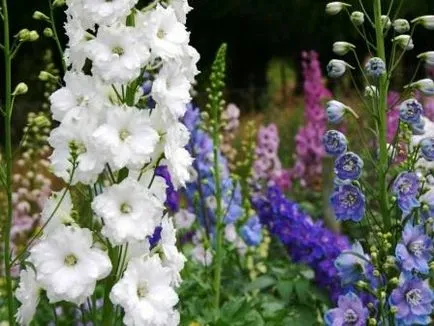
point(348, 166)
point(352, 264)
point(418, 128)
point(335, 143)
point(415, 249)
point(410, 111)
point(251, 232)
point(406, 188)
point(350, 312)
point(413, 299)
point(427, 148)
point(348, 203)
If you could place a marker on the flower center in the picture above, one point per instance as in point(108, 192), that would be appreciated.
point(77, 147)
point(413, 297)
point(350, 316)
point(70, 260)
point(142, 290)
point(124, 134)
point(349, 200)
point(349, 166)
point(118, 50)
point(405, 187)
point(126, 209)
point(416, 248)
point(161, 33)
point(82, 100)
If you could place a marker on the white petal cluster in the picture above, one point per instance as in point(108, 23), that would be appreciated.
point(112, 134)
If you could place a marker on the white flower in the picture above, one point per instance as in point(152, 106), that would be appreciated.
point(67, 266)
point(415, 141)
point(103, 12)
point(404, 41)
point(230, 233)
point(76, 135)
point(357, 17)
point(172, 258)
point(334, 8)
point(158, 185)
point(128, 136)
point(62, 214)
point(27, 294)
point(80, 93)
point(426, 86)
point(426, 21)
point(401, 25)
point(342, 48)
point(129, 210)
point(144, 293)
point(428, 57)
point(178, 159)
point(181, 8)
point(189, 60)
point(165, 34)
point(184, 219)
point(117, 54)
point(171, 90)
point(201, 255)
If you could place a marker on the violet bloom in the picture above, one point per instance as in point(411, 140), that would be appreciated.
point(352, 264)
point(335, 143)
point(348, 203)
point(415, 249)
point(335, 111)
point(348, 166)
point(375, 67)
point(406, 188)
point(410, 111)
point(413, 299)
point(350, 312)
point(427, 148)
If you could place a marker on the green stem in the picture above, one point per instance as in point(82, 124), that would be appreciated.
point(8, 154)
point(382, 118)
point(55, 35)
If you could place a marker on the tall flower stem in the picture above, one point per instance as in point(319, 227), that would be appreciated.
point(382, 118)
point(8, 157)
point(55, 34)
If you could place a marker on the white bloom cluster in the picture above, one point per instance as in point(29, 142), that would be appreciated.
point(127, 86)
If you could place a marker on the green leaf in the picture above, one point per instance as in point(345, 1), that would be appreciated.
point(260, 283)
point(302, 290)
point(286, 290)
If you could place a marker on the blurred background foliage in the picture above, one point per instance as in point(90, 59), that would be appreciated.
point(265, 39)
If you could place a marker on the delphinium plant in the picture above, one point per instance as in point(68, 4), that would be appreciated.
point(128, 72)
point(386, 275)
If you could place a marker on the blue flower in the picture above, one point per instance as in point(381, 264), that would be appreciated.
point(251, 232)
point(410, 111)
point(335, 111)
point(414, 250)
point(348, 166)
point(406, 188)
point(352, 264)
point(418, 128)
point(375, 67)
point(348, 203)
point(413, 299)
point(147, 83)
point(428, 200)
point(335, 142)
point(350, 312)
point(427, 148)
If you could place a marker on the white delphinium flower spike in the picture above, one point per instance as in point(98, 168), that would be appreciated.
point(57, 211)
point(67, 265)
point(27, 294)
point(128, 136)
point(172, 258)
point(144, 292)
point(103, 12)
point(181, 8)
point(129, 210)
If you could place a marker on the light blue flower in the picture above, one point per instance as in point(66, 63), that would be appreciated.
point(427, 148)
point(335, 111)
point(375, 67)
point(335, 143)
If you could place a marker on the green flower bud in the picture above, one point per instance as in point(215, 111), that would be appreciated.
point(372, 322)
point(404, 41)
point(394, 309)
point(40, 16)
point(45, 76)
point(20, 89)
point(428, 57)
point(33, 36)
point(385, 22)
point(401, 26)
point(342, 48)
point(358, 18)
point(59, 3)
point(23, 35)
point(48, 32)
point(394, 281)
point(334, 8)
point(376, 273)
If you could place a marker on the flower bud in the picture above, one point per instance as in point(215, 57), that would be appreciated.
point(376, 273)
point(23, 35)
point(45, 76)
point(48, 32)
point(404, 41)
point(428, 57)
point(59, 3)
point(342, 48)
point(33, 36)
point(335, 111)
point(362, 285)
point(401, 26)
point(427, 148)
point(426, 21)
point(394, 309)
point(335, 143)
point(426, 86)
point(394, 281)
point(334, 8)
point(40, 16)
point(375, 67)
point(385, 22)
point(336, 68)
point(358, 18)
point(371, 91)
point(20, 89)
point(372, 322)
